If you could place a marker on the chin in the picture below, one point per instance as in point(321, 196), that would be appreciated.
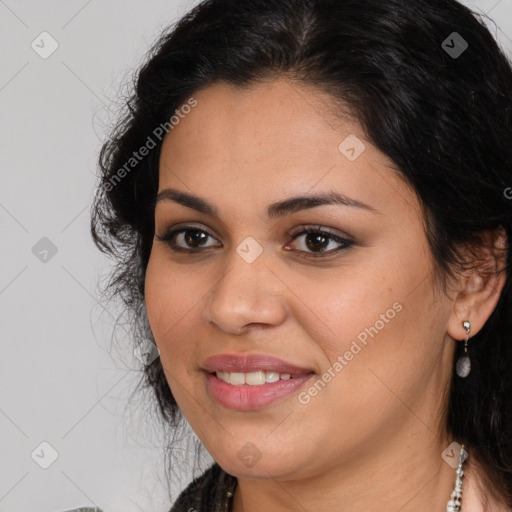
point(252, 464)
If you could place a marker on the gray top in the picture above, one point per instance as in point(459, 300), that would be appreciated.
point(85, 509)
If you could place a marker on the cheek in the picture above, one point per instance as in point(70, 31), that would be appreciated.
point(173, 298)
point(173, 303)
point(374, 322)
point(384, 353)
point(352, 303)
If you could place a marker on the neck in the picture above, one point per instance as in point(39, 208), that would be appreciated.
point(408, 476)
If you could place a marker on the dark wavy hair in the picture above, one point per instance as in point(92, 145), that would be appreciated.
point(444, 119)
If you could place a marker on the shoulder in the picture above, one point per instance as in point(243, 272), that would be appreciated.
point(84, 509)
point(208, 492)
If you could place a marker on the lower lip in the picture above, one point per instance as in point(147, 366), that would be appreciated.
point(247, 397)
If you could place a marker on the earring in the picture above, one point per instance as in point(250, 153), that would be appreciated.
point(463, 366)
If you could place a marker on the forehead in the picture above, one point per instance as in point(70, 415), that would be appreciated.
point(273, 139)
point(277, 117)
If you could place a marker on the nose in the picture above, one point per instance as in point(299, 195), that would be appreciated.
point(247, 294)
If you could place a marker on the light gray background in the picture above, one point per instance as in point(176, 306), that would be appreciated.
point(61, 379)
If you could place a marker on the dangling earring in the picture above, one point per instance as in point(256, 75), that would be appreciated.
point(463, 366)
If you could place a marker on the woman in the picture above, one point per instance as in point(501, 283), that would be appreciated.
point(310, 206)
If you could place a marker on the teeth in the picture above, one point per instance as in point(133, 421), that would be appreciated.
point(251, 378)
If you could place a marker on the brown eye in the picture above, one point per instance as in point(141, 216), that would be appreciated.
point(186, 239)
point(317, 241)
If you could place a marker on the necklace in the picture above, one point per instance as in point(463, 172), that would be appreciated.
point(455, 502)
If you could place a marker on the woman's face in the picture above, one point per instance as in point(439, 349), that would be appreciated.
point(363, 316)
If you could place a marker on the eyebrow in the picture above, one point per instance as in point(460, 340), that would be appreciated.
point(274, 210)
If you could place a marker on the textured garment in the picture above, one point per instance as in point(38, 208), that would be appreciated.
point(210, 492)
point(85, 509)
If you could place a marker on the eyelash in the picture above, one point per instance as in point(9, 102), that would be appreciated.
point(168, 239)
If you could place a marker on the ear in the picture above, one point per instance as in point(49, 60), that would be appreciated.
point(480, 287)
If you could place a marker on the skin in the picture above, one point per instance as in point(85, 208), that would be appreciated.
point(372, 438)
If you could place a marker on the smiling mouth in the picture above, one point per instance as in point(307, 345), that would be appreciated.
point(256, 378)
point(238, 394)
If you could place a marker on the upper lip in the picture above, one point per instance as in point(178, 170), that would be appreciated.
point(251, 363)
